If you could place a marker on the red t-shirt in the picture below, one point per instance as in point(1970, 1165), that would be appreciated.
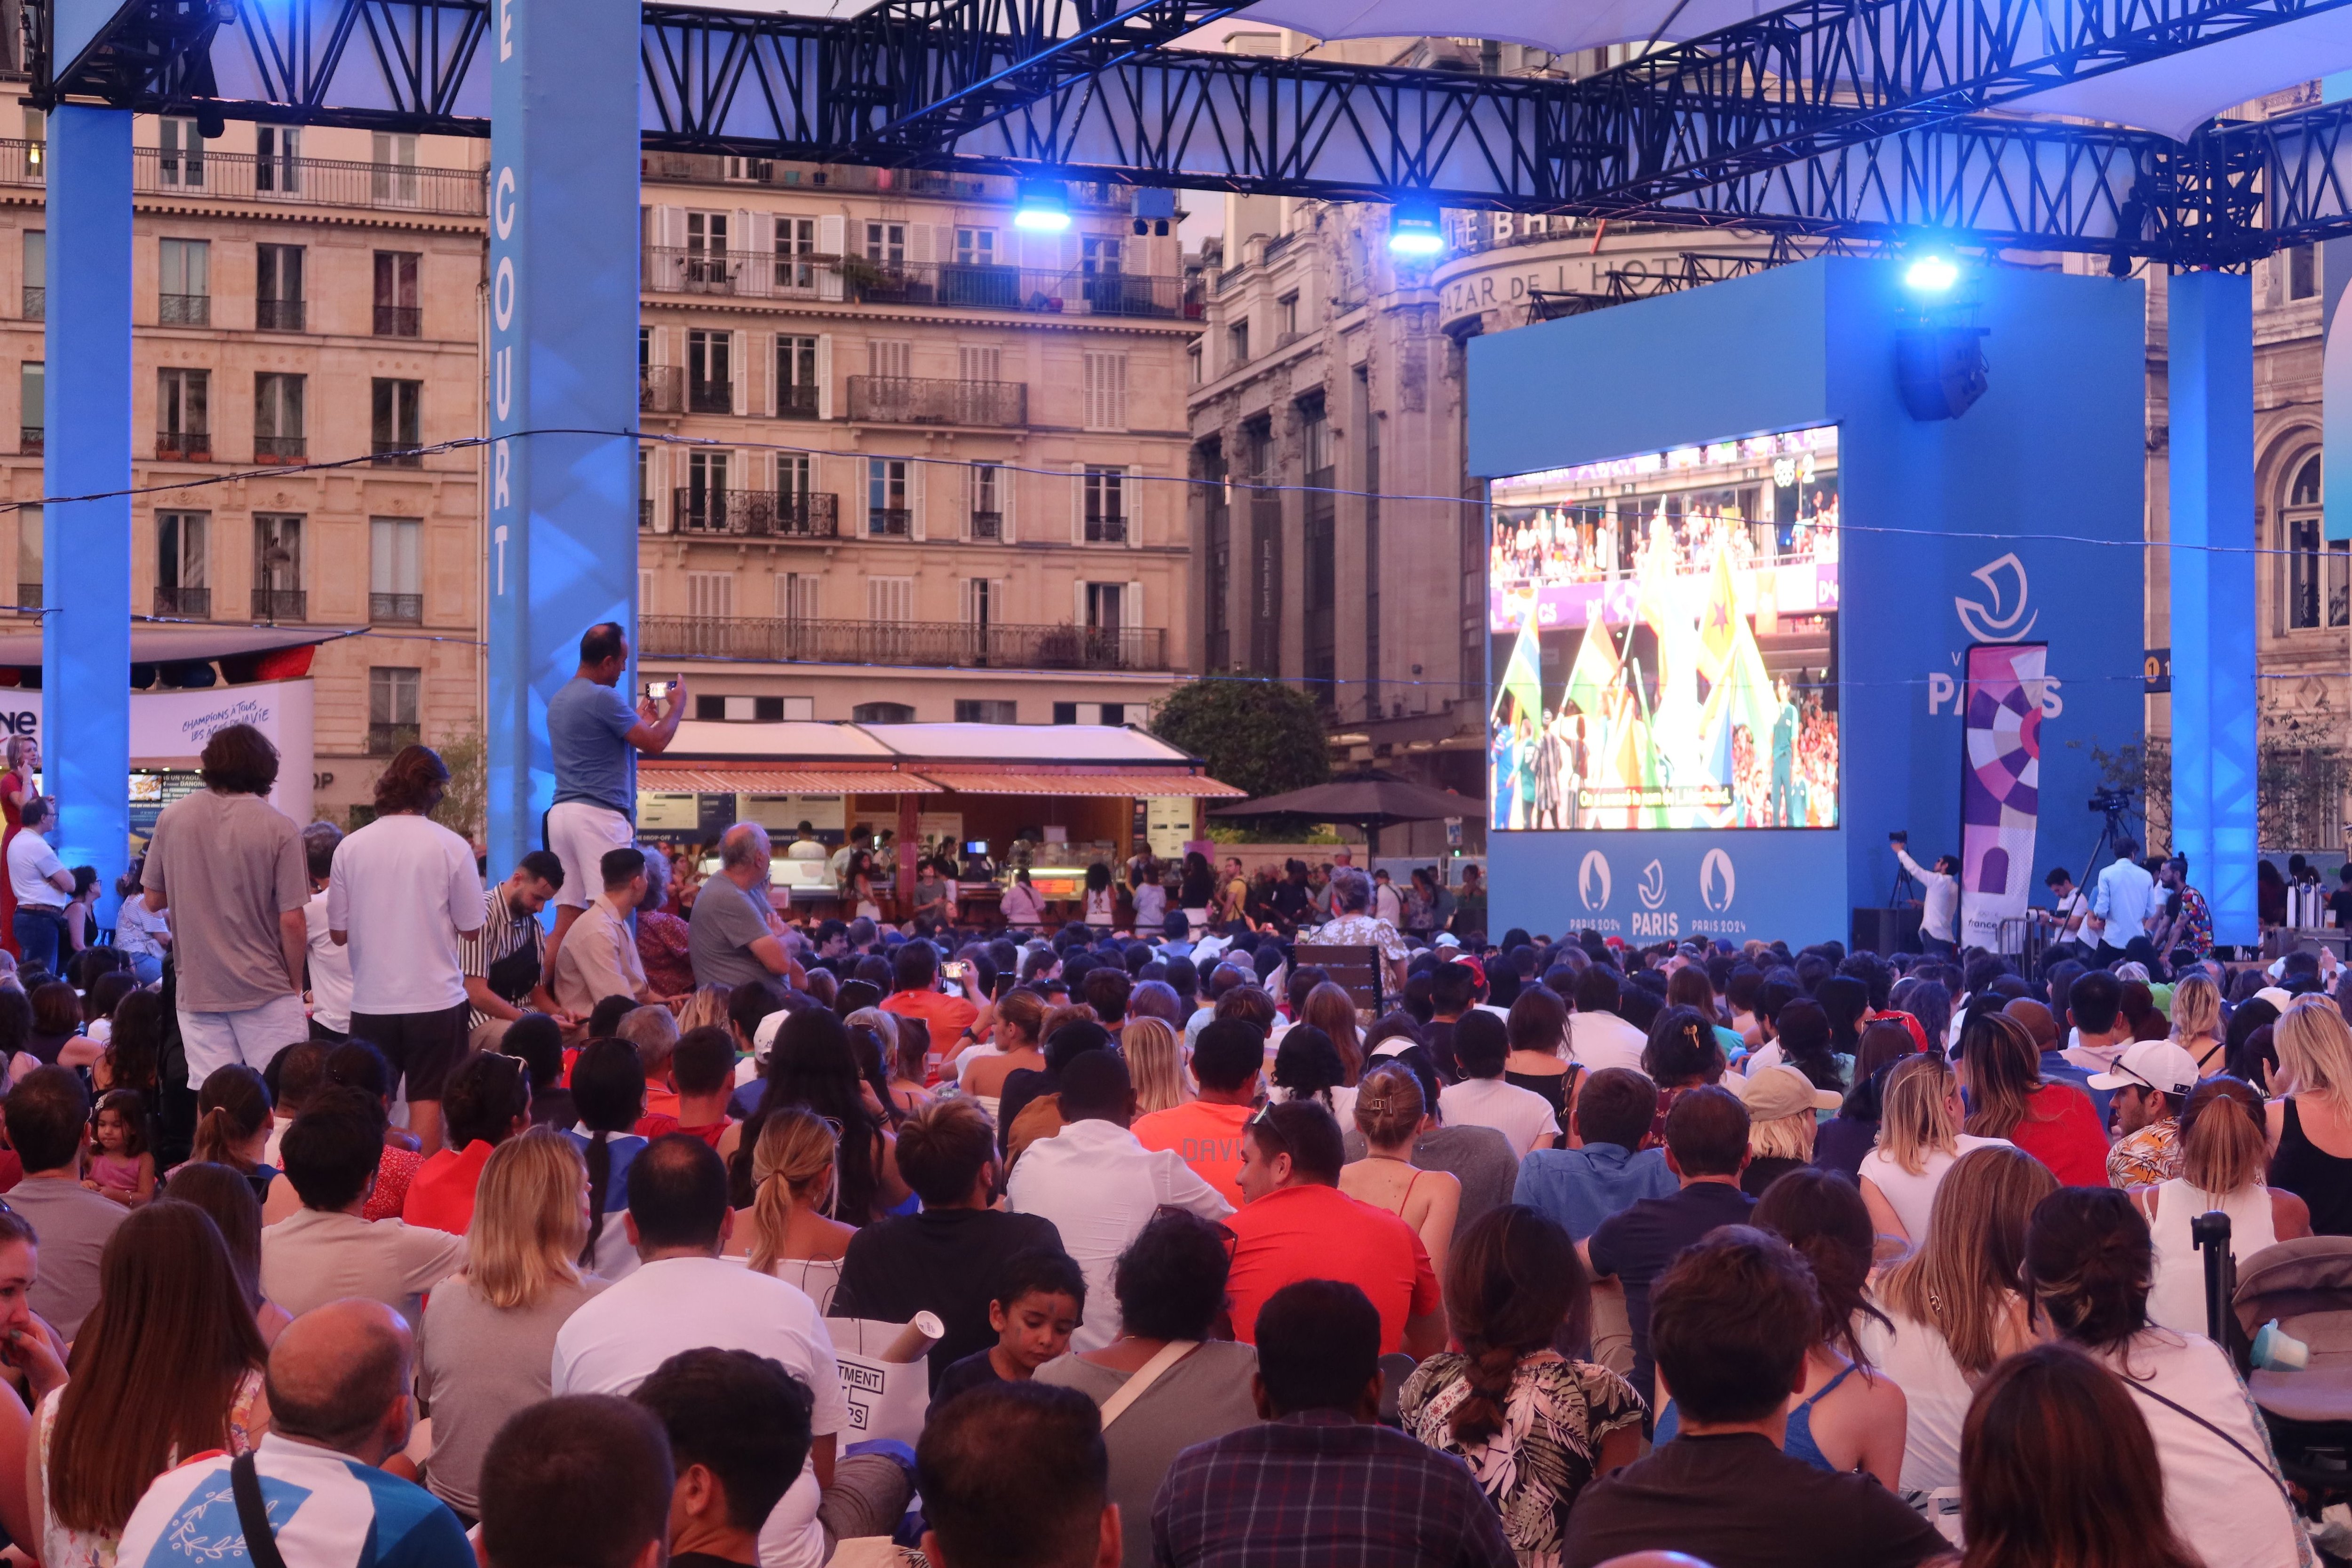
point(1205, 1136)
point(1315, 1232)
point(2060, 1129)
point(948, 1017)
point(441, 1194)
point(710, 1134)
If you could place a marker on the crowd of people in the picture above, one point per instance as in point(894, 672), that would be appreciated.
point(388, 1228)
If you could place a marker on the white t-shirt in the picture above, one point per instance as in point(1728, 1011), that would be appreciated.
point(1935, 1395)
point(616, 1340)
point(1521, 1115)
point(1597, 1040)
point(2223, 1510)
point(136, 926)
point(1912, 1197)
point(330, 969)
point(402, 888)
point(31, 864)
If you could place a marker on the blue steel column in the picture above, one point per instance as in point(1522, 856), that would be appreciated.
point(2210, 383)
point(85, 545)
point(562, 546)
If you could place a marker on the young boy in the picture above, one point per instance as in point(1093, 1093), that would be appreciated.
point(703, 1068)
point(1040, 1297)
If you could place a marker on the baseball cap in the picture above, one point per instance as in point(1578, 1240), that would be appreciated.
point(764, 1037)
point(1779, 1090)
point(1447, 938)
point(2160, 1065)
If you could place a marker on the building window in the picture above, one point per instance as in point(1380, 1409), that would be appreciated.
point(975, 247)
point(2302, 272)
point(886, 243)
point(1105, 506)
point(36, 274)
point(1065, 712)
point(886, 509)
point(32, 396)
point(184, 414)
point(1106, 391)
point(882, 713)
point(984, 602)
point(891, 599)
point(987, 710)
point(1288, 308)
point(980, 363)
point(277, 159)
point(795, 245)
point(1105, 605)
point(394, 178)
point(1098, 256)
point(182, 581)
point(706, 490)
point(796, 381)
point(277, 567)
point(30, 543)
point(1192, 364)
point(890, 357)
point(180, 159)
point(710, 595)
point(399, 310)
point(184, 289)
point(394, 425)
point(397, 569)
point(1238, 345)
point(2312, 572)
point(710, 376)
point(277, 428)
point(988, 501)
point(392, 708)
point(796, 595)
point(277, 288)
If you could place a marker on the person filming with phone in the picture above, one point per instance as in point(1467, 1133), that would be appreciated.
point(1939, 911)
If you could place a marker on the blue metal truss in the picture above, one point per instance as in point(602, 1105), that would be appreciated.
point(1851, 117)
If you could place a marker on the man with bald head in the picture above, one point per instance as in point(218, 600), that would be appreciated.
point(339, 1406)
point(730, 940)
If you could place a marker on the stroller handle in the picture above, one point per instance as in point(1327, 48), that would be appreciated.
point(2209, 1234)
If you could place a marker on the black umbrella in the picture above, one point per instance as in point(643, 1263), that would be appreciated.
point(1371, 799)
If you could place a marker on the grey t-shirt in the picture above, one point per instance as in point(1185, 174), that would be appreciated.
point(475, 1365)
point(1480, 1158)
point(725, 922)
point(227, 866)
point(73, 1223)
point(588, 729)
point(1205, 1396)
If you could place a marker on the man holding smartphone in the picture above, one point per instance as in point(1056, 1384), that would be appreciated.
point(916, 974)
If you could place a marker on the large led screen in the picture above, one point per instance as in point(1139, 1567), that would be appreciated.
point(1664, 632)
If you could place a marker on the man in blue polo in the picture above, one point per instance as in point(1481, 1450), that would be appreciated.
point(596, 734)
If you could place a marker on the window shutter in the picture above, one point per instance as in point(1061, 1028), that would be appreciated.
point(914, 499)
point(773, 372)
point(1130, 606)
point(757, 236)
point(740, 237)
point(824, 376)
point(1007, 478)
point(1130, 505)
point(832, 239)
point(1114, 392)
point(738, 355)
point(1079, 504)
point(668, 269)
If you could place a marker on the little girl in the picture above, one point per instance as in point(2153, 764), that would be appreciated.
point(119, 1166)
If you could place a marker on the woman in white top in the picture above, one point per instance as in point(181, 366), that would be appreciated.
point(788, 1231)
point(2223, 1159)
point(1151, 898)
point(1955, 1306)
point(2087, 1265)
point(2197, 1022)
point(1919, 1138)
point(1101, 909)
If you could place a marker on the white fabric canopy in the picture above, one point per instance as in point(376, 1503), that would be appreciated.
point(2172, 96)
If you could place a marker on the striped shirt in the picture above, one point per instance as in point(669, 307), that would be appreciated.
point(503, 934)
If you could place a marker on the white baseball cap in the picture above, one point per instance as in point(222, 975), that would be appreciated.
point(1779, 1090)
point(2163, 1065)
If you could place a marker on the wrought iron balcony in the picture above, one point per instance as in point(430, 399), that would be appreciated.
point(661, 389)
point(295, 181)
point(796, 403)
point(988, 525)
point(280, 605)
point(939, 643)
point(29, 440)
point(278, 315)
point(184, 447)
point(196, 603)
point(183, 310)
point(404, 609)
point(889, 523)
point(399, 321)
point(385, 739)
point(970, 284)
point(280, 448)
point(710, 396)
point(918, 400)
point(739, 274)
point(37, 301)
point(1106, 529)
point(752, 514)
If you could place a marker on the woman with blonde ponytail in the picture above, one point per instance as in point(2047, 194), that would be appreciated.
point(788, 1231)
point(2223, 1158)
point(1514, 1286)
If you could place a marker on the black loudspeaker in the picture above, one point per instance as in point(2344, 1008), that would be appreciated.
point(1941, 371)
point(1883, 932)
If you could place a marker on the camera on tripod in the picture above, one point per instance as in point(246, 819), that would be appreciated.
point(2110, 801)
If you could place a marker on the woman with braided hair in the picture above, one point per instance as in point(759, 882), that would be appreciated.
point(1533, 1427)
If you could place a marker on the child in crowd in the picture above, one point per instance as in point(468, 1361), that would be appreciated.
point(702, 1069)
point(119, 1164)
point(1039, 1299)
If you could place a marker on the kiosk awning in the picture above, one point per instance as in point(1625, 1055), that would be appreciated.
point(722, 779)
point(1142, 783)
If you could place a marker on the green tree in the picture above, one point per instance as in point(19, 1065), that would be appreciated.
point(466, 800)
point(1255, 735)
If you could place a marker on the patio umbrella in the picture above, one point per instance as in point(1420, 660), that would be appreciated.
point(1371, 799)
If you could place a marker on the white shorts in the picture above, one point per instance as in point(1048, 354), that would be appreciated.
point(215, 1040)
point(580, 834)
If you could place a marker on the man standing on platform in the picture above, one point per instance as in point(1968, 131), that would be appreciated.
point(595, 732)
point(1939, 910)
point(2125, 897)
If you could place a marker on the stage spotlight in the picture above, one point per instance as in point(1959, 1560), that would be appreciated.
point(1931, 275)
point(1043, 206)
point(1413, 231)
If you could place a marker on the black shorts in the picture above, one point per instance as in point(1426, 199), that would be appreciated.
point(423, 1048)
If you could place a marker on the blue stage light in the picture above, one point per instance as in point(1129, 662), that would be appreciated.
point(1413, 230)
point(1043, 206)
point(1931, 275)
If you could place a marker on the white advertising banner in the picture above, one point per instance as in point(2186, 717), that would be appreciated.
point(169, 729)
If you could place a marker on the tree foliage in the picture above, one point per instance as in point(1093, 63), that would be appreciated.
point(466, 801)
point(1255, 735)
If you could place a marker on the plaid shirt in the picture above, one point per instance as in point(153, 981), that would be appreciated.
point(1318, 1490)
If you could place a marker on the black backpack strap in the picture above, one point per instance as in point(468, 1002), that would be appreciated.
point(252, 1514)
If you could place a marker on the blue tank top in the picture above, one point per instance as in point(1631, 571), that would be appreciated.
point(1798, 1445)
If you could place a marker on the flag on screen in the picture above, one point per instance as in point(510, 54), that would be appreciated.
point(1522, 679)
point(1718, 614)
point(1593, 675)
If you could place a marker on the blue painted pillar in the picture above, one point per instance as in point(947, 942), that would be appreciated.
point(85, 545)
point(2210, 384)
point(562, 544)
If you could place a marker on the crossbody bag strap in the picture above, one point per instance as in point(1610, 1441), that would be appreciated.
point(1128, 1392)
point(252, 1514)
point(2252, 1457)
